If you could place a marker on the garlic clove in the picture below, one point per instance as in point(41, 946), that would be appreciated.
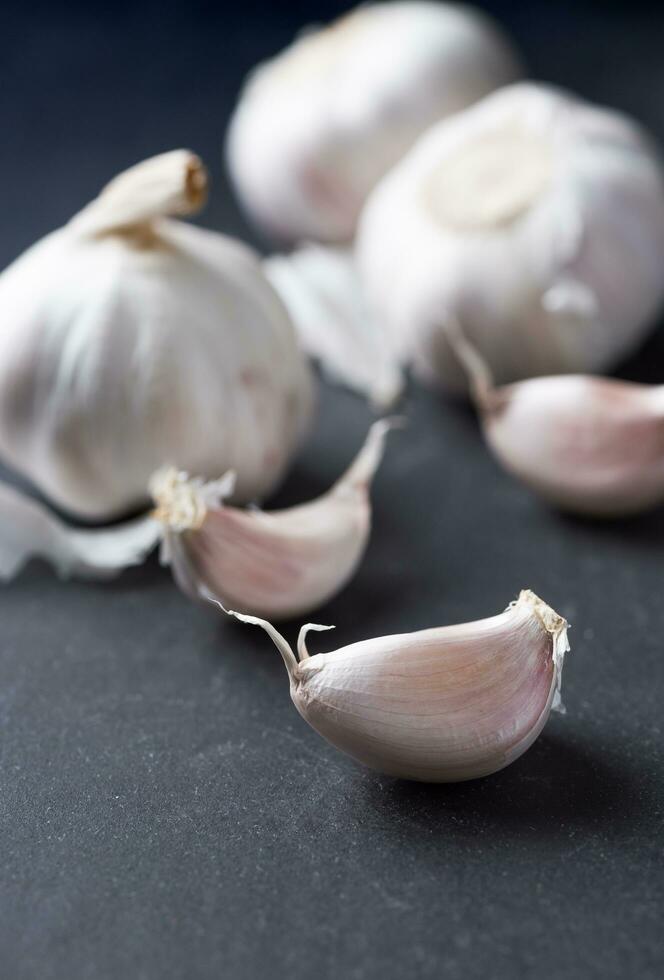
point(280, 563)
point(590, 445)
point(316, 127)
point(29, 530)
point(321, 290)
point(439, 705)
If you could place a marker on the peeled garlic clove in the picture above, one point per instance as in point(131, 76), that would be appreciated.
point(536, 220)
point(322, 292)
point(29, 530)
point(130, 339)
point(280, 563)
point(319, 125)
point(589, 445)
point(440, 705)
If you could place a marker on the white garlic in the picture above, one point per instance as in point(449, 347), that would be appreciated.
point(589, 445)
point(439, 705)
point(279, 563)
point(129, 340)
point(319, 125)
point(536, 220)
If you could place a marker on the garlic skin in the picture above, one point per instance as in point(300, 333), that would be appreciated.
point(279, 564)
point(534, 219)
point(130, 339)
point(587, 445)
point(318, 126)
point(439, 705)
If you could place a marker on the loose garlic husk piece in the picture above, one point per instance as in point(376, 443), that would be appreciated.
point(535, 219)
point(129, 339)
point(589, 445)
point(440, 705)
point(319, 125)
point(280, 563)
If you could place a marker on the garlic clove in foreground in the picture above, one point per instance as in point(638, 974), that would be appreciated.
point(317, 126)
point(589, 445)
point(30, 530)
point(279, 563)
point(439, 705)
point(534, 218)
point(321, 290)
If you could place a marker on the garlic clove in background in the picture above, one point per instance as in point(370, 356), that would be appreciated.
point(317, 126)
point(320, 288)
point(535, 219)
point(439, 705)
point(30, 530)
point(589, 445)
point(280, 563)
point(130, 339)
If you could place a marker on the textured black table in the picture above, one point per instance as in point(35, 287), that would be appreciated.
point(164, 812)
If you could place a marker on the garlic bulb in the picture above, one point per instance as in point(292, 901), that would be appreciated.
point(319, 125)
point(536, 220)
point(590, 445)
point(279, 564)
point(439, 705)
point(130, 340)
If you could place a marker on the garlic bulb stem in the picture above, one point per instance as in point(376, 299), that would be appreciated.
point(439, 705)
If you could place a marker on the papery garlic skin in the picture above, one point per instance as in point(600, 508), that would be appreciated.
point(130, 339)
point(536, 220)
point(320, 124)
point(280, 563)
point(439, 705)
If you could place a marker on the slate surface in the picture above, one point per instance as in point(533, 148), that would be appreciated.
point(164, 812)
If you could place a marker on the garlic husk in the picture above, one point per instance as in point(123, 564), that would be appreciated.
point(439, 705)
point(130, 339)
point(317, 126)
point(588, 445)
point(30, 530)
point(279, 564)
point(535, 219)
point(320, 288)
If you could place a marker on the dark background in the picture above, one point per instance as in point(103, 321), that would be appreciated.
point(164, 812)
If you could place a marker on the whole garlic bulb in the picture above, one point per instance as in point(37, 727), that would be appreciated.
point(319, 125)
point(439, 705)
point(533, 218)
point(130, 340)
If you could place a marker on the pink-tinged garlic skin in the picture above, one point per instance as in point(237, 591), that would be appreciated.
point(440, 705)
point(534, 219)
point(319, 125)
point(589, 445)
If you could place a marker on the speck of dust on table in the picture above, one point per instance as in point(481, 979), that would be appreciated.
point(164, 810)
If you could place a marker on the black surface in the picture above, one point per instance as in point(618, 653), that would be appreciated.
point(164, 812)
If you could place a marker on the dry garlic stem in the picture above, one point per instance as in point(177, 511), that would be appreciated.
point(534, 218)
point(590, 445)
point(130, 339)
point(279, 564)
point(440, 705)
point(319, 125)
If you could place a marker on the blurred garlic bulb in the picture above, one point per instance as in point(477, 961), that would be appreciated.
point(590, 445)
point(441, 705)
point(319, 125)
point(129, 340)
point(280, 564)
point(536, 220)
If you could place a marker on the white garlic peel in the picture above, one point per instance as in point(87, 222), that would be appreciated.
point(320, 124)
point(29, 530)
point(279, 564)
point(535, 219)
point(320, 288)
point(588, 445)
point(130, 339)
point(439, 705)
